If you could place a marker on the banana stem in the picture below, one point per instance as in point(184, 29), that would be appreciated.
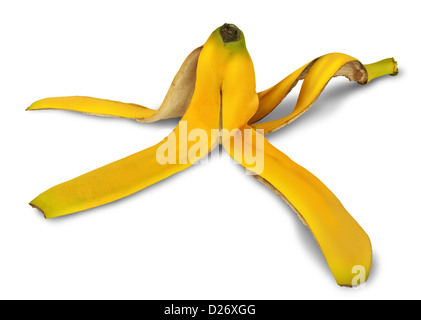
point(381, 68)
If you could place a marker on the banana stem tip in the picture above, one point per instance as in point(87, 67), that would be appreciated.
point(230, 33)
point(395, 67)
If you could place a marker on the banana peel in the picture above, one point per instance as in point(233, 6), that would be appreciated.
point(214, 94)
point(174, 104)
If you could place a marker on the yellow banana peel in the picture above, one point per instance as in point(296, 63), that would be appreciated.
point(214, 93)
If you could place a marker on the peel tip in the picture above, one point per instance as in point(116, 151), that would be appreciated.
point(230, 33)
point(33, 106)
point(39, 209)
point(352, 286)
point(37, 105)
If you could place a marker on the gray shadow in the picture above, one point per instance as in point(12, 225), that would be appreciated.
point(306, 239)
point(373, 270)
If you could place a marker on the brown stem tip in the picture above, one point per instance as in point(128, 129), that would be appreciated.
point(230, 33)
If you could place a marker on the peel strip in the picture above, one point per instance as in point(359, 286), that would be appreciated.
point(174, 105)
point(316, 75)
point(341, 239)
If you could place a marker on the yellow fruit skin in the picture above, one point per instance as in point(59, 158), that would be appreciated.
point(342, 241)
point(140, 170)
point(270, 98)
point(179, 95)
point(316, 75)
point(225, 79)
point(133, 173)
point(95, 106)
point(115, 180)
point(174, 105)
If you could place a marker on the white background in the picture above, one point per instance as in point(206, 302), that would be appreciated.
point(210, 232)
